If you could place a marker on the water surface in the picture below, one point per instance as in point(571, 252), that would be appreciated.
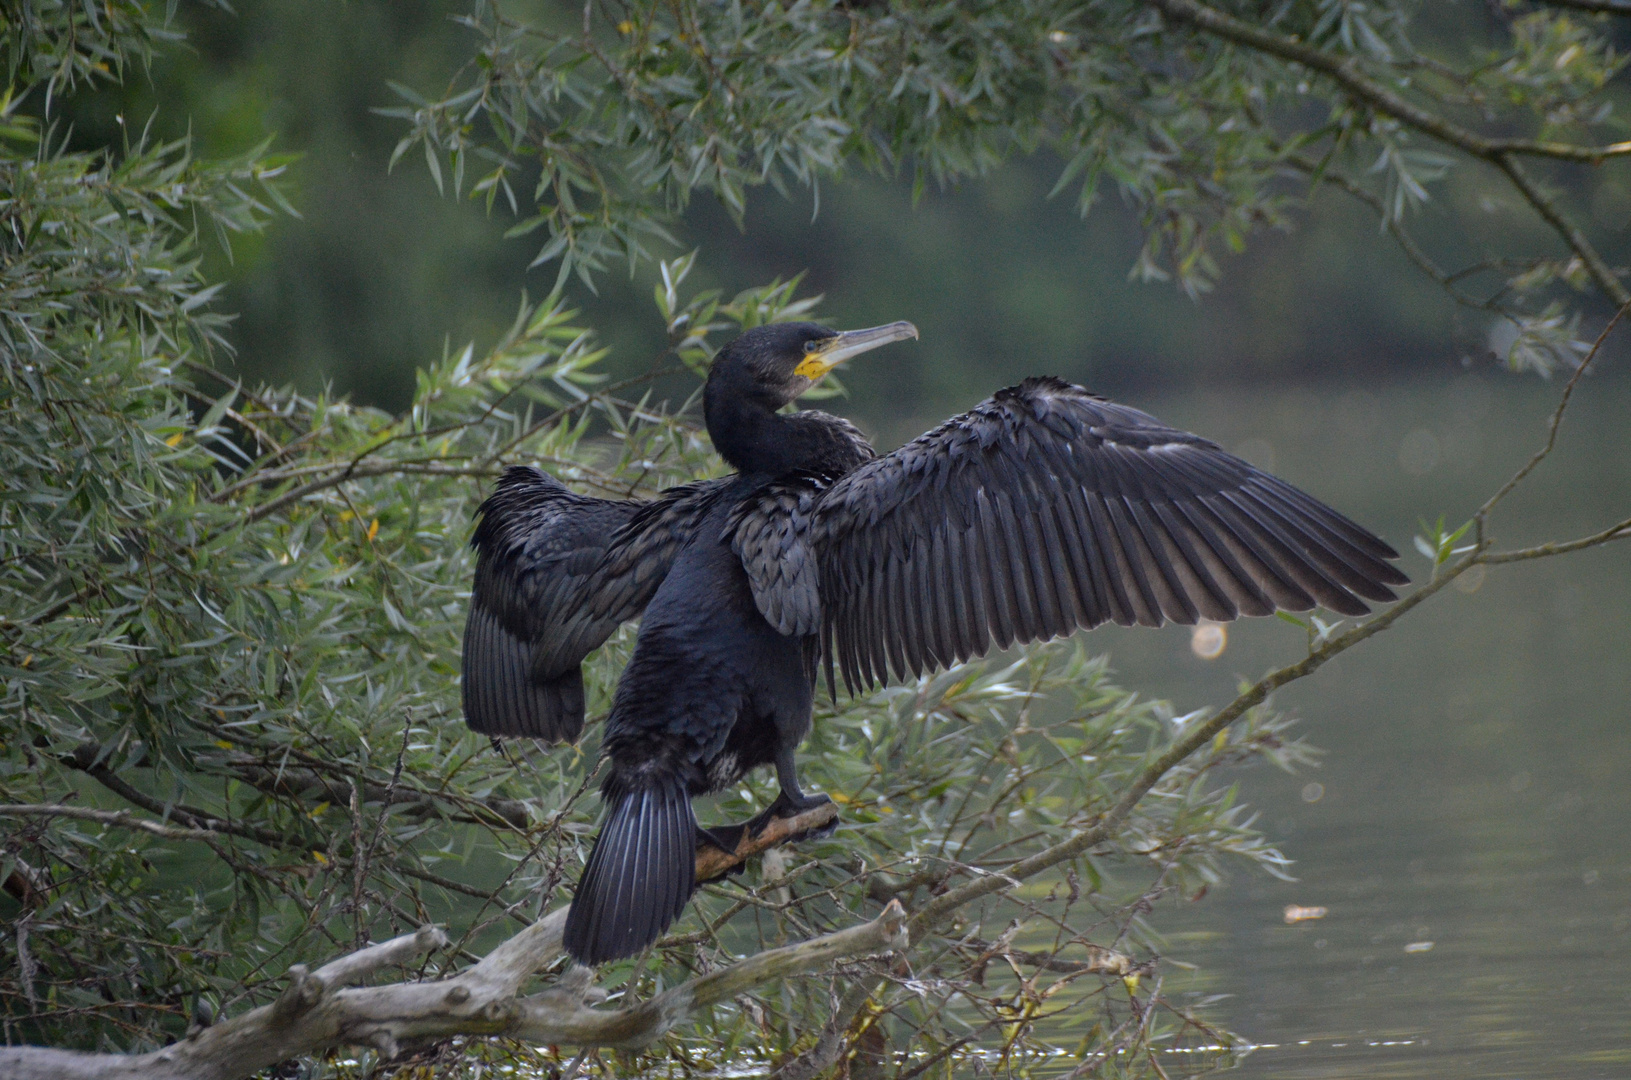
point(1468, 831)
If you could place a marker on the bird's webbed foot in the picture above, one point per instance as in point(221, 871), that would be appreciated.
point(787, 806)
point(726, 838)
point(791, 801)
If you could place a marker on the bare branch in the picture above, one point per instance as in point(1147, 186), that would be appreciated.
point(1548, 209)
point(310, 785)
point(1347, 72)
point(1447, 280)
point(944, 904)
point(87, 758)
point(1482, 516)
point(122, 819)
point(360, 472)
point(1621, 531)
point(1100, 961)
point(317, 1011)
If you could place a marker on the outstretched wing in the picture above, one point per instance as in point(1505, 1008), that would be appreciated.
point(556, 574)
point(1047, 508)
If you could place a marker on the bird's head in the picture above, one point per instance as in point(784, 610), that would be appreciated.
point(775, 364)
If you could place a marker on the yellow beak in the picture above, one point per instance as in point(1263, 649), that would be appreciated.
point(822, 356)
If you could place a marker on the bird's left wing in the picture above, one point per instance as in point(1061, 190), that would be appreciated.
point(556, 574)
point(1047, 508)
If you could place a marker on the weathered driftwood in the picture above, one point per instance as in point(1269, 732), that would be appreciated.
point(325, 1008)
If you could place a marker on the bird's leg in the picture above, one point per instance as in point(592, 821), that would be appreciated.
point(791, 798)
point(790, 801)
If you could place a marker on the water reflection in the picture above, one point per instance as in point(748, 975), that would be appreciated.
point(1474, 796)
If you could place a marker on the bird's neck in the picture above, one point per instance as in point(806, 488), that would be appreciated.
point(751, 435)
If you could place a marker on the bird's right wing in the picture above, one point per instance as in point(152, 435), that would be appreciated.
point(556, 574)
point(1047, 508)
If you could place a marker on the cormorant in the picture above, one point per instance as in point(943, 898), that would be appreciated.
point(1044, 509)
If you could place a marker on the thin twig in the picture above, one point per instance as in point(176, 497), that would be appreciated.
point(122, 819)
point(1621, 531)
point(1481, 517)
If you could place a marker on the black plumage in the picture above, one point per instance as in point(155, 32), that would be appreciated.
point(1042, 510)
point(557, 573)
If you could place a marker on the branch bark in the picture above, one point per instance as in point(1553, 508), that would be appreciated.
point(1503, 154)
point(321, 1009)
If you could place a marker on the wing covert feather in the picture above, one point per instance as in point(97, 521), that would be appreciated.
point(767, 532)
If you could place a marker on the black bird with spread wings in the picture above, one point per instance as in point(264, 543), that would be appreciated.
point(1043, 510)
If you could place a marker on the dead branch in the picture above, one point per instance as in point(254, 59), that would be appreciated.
point(1100, 961)
point(325, 1008)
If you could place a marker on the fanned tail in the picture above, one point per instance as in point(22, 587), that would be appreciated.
point(640, 874)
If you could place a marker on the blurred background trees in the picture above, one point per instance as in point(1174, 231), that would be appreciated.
point(377, 273)
point(236, 610)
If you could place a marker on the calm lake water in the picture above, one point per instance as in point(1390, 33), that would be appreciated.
point(1469, 832)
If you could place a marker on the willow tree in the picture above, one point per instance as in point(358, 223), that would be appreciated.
point(233, 775)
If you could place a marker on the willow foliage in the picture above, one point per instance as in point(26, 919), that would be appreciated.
point(230, 737)
point(598, 123)
point(238, 613)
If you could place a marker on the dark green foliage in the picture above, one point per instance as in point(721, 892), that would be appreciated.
point(229, 733)
point(623, 112)
point(239, 613)
point(232, 620)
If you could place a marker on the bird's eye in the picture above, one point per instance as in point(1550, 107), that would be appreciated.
point(811, 346)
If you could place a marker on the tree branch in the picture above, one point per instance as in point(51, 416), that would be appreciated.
point(87, 758)
point(321, 1009)
point(1501, 153)
point(1622, 531)
point(307, 784)
point(1481, 517)
point(361, 472)
point(1548, 209)
point(122, 819)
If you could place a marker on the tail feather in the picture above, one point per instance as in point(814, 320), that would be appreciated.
point(640, 875)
